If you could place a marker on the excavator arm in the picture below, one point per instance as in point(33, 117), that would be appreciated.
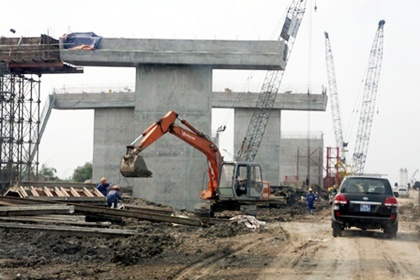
point(133, 165)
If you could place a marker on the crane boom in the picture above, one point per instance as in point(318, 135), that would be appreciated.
point(413, 177)
point(368, 102)
point(271, 84)
point(335, 104)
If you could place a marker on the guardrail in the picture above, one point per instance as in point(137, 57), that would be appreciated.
point(217, 87)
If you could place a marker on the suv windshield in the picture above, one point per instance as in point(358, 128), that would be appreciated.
point(366, 185)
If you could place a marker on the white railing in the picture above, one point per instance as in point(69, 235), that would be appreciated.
point(302, 134)
point(256, 87)
point(217, 87)
point(106, 88)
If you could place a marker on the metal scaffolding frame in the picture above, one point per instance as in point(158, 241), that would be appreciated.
point(22, 62)
point(19, 127)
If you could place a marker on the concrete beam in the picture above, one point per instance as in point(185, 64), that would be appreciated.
point(284, 101)
point(297, 102)
point(76, 101)
point(217, 54)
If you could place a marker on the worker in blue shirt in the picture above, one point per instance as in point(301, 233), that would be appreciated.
point(103, 186)
point(310, 199)
point(113, 197)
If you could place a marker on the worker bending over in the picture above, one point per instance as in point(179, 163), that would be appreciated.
point(113, 197)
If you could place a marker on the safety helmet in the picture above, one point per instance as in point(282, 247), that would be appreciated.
point(116, 187)
point(103, 180)
point(310, 189)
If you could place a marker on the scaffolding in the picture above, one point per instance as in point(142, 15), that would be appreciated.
point(22, 62)
point(19, 127)
point(332, 177)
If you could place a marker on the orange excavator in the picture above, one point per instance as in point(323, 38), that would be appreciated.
point(230, 184)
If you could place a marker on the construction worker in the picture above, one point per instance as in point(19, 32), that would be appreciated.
point(113, 197)
point(332, 191)
point(103, 186)
point(310, 199)
point(316, 195)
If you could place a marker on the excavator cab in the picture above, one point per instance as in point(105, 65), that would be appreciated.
point(240, 181)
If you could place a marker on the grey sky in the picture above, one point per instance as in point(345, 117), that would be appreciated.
point(352, 24)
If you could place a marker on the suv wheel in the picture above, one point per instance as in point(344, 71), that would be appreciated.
point(391, 231)
point(337, 230)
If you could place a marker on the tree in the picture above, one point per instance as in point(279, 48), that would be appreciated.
point(82, 173)
point(47, 174)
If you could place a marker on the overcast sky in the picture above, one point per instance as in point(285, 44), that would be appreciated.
point(351, 24)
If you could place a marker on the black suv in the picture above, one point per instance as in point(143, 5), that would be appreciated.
point(416, 185)
point(365, 202)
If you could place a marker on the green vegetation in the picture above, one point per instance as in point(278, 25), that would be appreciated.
point(47, 174)
point(82, 173)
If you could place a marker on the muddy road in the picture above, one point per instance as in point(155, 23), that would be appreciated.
point(292, 245)
point(306, 249)
point(314, 254)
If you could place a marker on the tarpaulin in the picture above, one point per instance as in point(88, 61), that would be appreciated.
point(81, 40)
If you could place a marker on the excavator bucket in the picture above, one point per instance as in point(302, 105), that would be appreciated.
point(134, 166)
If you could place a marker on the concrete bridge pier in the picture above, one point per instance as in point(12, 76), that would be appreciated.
point(179, 169)
point(268, 155)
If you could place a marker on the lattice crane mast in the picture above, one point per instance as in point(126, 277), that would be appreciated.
point(413, 177)
point(368, 102)
point(335, 104)
point(271, 84)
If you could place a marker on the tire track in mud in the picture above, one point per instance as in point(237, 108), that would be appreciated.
point(298, 256)
point(208, 264)
point(401, 263)
point(367, 255)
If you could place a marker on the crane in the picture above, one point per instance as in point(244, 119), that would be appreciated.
point(368, 101)
point(335, 105)
point(271, 84)
point(413, 177)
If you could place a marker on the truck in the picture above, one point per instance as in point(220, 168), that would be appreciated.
point(232, 185)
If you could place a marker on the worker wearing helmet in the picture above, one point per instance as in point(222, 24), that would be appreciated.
point(310, 199)
point(332, 191)
point(113, 197)
point(103, 186)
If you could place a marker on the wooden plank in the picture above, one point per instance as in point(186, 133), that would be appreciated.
point(148, 210)
point(134, 207)
point(74, 192)
point(155, 217)
point(34, 191)
point(64, 192)
point(18, 200)
point(7, 203)
point(23, 192)
point(71, 230)
point(58, 192)
point(43, 220)
point(87, 192)
point(97, 192)
point(58, 184)
point(36, 209)
point(47, 192)
point(72, 217)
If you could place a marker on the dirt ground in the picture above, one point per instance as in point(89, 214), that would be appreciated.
point(292, 245)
